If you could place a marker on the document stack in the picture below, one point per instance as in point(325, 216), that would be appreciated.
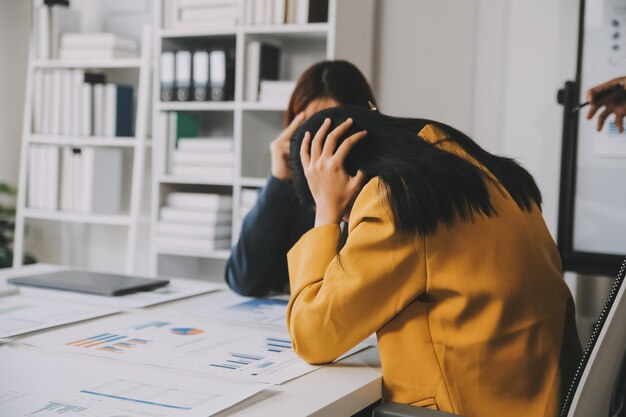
point(202, 14)
point(208, 157)
point(276, 92)
point(80, 46)
point(248, 200)
point(276, 12)
point(79, 180)
point(195, 222)
point(75, 102)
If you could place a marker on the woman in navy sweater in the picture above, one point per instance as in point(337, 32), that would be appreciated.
point(257, 265)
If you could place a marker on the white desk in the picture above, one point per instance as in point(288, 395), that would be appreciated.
point(340, 389)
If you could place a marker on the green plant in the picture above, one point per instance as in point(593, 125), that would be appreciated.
point(7, 227)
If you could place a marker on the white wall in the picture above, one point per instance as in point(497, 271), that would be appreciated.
point(14, 38)
point(425, 59)
point(488, 67)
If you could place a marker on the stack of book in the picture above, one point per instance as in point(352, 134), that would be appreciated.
point(104, 46)
point(276, 92)
point(276, 12)
point(79, 180)
point(203, 158)
point(248, 200)
point(75, 102)
point(202, 14)
point(195, 222)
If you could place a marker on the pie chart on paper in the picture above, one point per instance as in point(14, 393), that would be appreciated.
point(187, 331)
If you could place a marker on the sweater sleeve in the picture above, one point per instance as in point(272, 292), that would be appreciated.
point(338, 300)
point(257, 265)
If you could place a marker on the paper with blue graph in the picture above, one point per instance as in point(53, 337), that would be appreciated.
point(77, 386)
point(229, 306)
point(183, 343)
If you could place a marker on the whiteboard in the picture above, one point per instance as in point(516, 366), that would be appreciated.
point(600, 197)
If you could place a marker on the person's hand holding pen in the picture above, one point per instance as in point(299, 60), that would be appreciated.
point(612, 96)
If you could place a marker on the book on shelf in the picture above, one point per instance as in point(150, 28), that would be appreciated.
point(79, 45)
point(118, 110)
point(202, 172)
point(167, 74)
point(88, 54)
point(277, 92)
point(91, 180)
point(207, 218)
point(43, 177)
point(50, 23)
point(202, 14)
point(104, 40)
point(183, 75)
point(181, 157)
point(307, 11)
point(262, 63)
point(189, 244)
point(199, 201)
point(75, 102)
point(193, 231)
point(205, 144)
point(276, 12)
point(200, 75)
point(222, 73)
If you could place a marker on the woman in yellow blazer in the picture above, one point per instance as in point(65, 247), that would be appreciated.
point(447, 258)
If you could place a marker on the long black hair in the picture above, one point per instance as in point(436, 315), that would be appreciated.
point(426, 187)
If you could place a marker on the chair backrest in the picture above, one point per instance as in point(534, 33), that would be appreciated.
point(602, 363)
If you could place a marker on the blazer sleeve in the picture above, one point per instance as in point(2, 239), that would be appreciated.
point(338, 300)
point(257, 265)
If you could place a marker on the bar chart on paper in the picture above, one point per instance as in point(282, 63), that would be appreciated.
point(184, 343)
point(79, 387)
point(125, 398)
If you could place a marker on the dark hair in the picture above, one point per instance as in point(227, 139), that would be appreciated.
point(339, 80)
point(426, 187)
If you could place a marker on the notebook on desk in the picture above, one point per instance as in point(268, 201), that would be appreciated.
point(89, 282)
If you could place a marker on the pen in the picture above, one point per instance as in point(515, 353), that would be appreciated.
point(600, 95)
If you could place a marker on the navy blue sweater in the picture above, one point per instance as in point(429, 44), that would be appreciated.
point(257, 265)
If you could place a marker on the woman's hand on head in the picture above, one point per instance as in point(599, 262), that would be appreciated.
point(332, 188)
point(279, 148)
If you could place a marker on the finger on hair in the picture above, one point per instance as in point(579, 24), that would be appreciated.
point(316, 146)
point(305, 157)
point(347, 145)
point(331, 140)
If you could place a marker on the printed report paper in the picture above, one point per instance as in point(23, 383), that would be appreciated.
point(77, 386)
point(22, 314)
point(229, 306)
point(184, 343)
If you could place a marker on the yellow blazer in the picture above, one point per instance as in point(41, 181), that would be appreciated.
point(470, 320)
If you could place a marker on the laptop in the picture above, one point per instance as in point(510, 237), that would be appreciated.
point(90, 282)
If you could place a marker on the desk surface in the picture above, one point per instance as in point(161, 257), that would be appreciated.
point(340, 389)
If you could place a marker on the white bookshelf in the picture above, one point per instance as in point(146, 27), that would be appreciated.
point(348, 35)
point(130, 219)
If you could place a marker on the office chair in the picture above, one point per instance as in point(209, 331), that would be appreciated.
point(598, 388)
